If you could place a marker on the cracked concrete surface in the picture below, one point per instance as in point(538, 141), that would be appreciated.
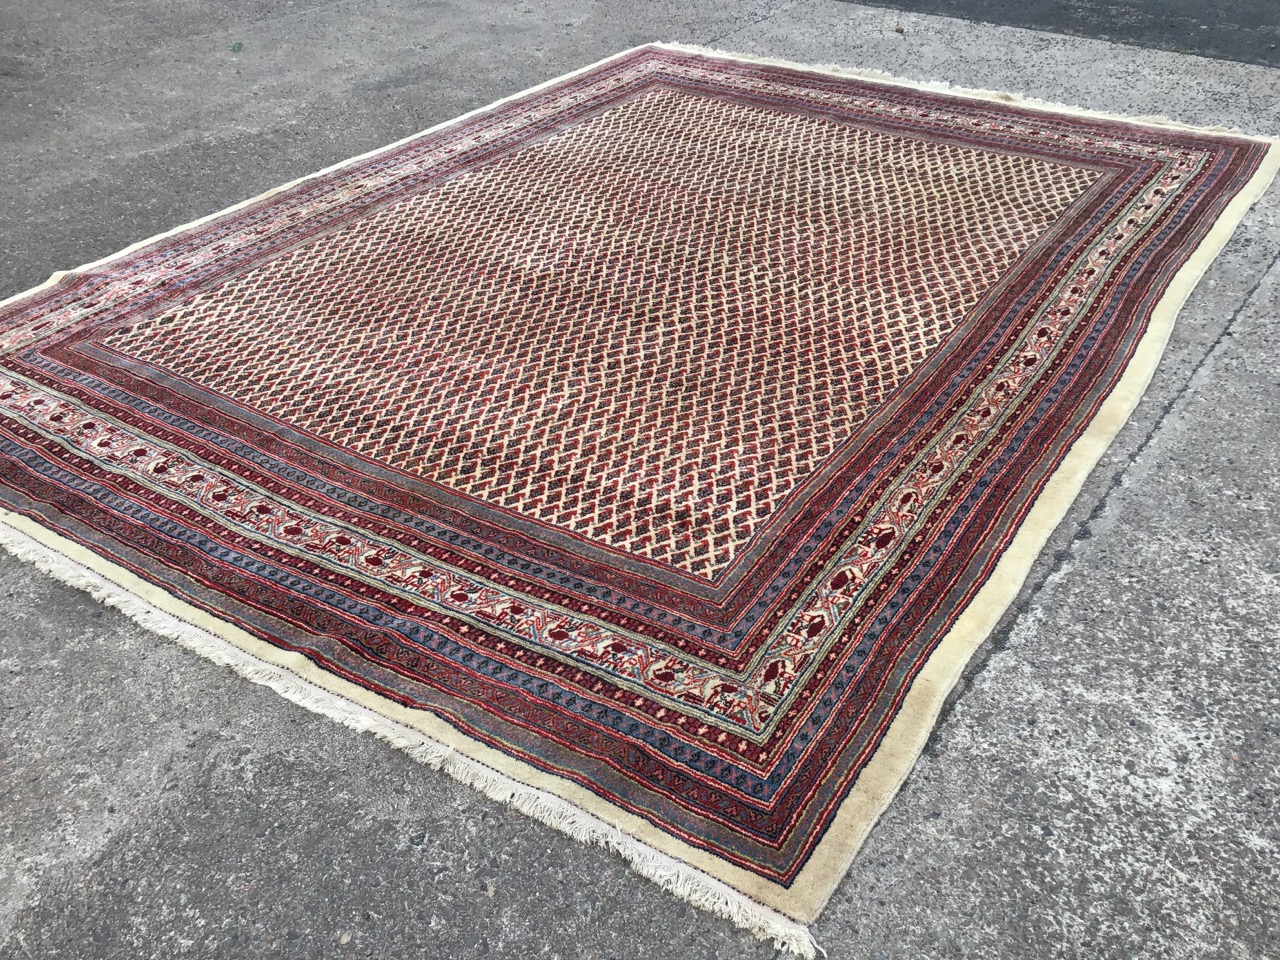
point(1104, 784)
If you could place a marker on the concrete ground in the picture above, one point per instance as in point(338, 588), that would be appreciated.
point(1105, 785)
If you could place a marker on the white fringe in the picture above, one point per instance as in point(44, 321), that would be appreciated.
point(686, 882)
point(971, 93)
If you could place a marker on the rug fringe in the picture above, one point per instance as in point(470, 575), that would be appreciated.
point(972, 93)
point(685, 882)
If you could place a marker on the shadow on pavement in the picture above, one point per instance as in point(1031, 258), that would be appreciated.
point(1244, 30)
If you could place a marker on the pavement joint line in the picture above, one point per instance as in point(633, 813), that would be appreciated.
point(1166, 414)
point(783, 7)
point(1063, 558)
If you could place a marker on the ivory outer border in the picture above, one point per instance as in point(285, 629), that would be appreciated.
point(767, 909)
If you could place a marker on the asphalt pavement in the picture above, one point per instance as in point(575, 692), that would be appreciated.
point(1245, 30)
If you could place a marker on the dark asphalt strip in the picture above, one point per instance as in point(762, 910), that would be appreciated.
point(1245, 30)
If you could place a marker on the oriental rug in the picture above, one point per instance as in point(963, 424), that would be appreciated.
point(649, 450)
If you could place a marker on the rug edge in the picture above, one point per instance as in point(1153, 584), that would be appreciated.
point(59, 275)
point(871, 75)
point(968, 93)
point(905, 740)
point(53, 555)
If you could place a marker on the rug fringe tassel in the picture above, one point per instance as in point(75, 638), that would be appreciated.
point(685, 882)
point(972, 93)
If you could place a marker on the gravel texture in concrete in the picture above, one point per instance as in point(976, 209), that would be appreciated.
point(1105, 784)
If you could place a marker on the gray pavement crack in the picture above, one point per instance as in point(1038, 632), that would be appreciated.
point(754, 23)
point(1061, 558)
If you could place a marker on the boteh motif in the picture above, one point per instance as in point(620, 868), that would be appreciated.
point(652, 429)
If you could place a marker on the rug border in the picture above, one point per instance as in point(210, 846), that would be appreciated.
point(766, 909)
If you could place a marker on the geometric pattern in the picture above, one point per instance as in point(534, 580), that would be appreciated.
point(693, 303)
point(645, 438)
